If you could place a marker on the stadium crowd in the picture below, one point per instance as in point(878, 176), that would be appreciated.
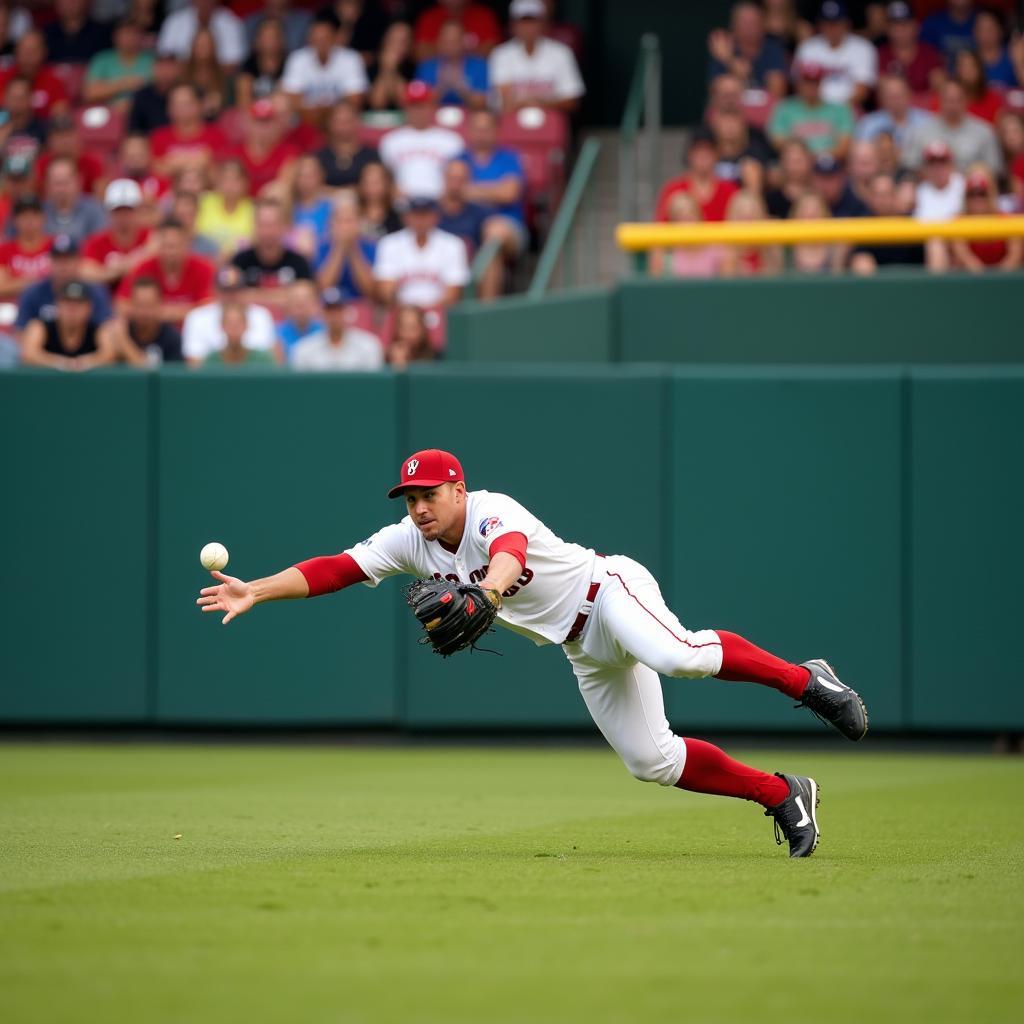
point(267, 183)
point(916, 109)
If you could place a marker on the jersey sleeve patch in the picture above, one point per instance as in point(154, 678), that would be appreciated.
point(489, 525)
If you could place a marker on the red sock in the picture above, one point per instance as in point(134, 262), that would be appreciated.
point(743, 662)
point(709, 769)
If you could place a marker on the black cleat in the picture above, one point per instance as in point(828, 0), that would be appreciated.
point(796, 817)
point(834, 702)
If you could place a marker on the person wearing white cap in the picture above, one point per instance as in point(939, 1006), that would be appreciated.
point(108, 255)
point(532, 70)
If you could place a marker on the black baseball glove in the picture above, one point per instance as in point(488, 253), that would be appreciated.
point(454, 615)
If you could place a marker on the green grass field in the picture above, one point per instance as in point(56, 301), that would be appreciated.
point(317, 884)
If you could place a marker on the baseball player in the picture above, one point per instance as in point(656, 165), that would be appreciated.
point(607, 613)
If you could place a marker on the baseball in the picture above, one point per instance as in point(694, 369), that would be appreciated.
point(214, 556)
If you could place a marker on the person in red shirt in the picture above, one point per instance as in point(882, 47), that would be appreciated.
point(64, 140)
point(264, 155)
point(185, 280)
point(26, 258)
point(481, 30)
point(188, 141)
point(977, 256)
point(906, 56)
point(710, 191)
point(49, 96)
point(108, 255)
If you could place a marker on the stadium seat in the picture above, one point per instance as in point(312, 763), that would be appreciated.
point(361, 315)
point(102, 127)
point(757, 107)
point(541, 138)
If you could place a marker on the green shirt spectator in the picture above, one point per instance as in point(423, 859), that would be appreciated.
point(114, 75)
point(823, 127)
point(257, 357)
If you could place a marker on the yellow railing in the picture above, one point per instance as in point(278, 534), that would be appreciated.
point(641, 238)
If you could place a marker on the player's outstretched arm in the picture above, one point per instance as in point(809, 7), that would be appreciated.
point(235, 597)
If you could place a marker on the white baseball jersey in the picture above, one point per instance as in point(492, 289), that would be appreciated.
point(550, 71)
point(542, 604)
point(321, 85)
point(422, 271)
point(417, 156)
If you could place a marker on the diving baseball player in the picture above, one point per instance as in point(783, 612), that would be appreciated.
point(607, 613)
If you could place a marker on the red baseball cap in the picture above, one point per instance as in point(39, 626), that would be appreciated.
point(418, 92)
point(428, 468)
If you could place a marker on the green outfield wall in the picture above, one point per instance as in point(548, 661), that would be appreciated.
point(869, 515)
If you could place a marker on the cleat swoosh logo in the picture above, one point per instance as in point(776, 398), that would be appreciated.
point(805, 818)
point(830, 686)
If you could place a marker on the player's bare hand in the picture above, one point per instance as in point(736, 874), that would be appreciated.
point(230, 595)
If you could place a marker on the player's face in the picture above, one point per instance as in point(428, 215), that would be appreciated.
point(436, 511)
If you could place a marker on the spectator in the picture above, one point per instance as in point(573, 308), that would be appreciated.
point(148, 111)
point(904, 55)
point(14, 23)
point(784, 24)
point(108, 255)
point(269, 267)
point(970, 139)
point(344, 156)
point(1010, 127)
point(850, 62)
point(268, 159)
point(185, 210)
point(38, 301)
point(293, 25)
point(744, 51)
point(207, 75)
point(376, 193)
point(311, 209)
point(825, 127)
point(304, 316)
point(26, 258)
point(725, 98)
point(982, 101)
point(392, 70)
point(410, 342)
point(363, 24)
point(459, 78)
point(179, 32)
point(459, 216)
point(531, 70)
point(188, 141)
point(73, 339)
point(203, 331)
point(234, 351)
point(862, 165)
point(742, 156)
point(338, 346)
point(22, 131)
point(421, 265)
point(320, 74)
point(481, 30)
point(940, 194)
point(796, 165)
point(1004, 66)
point(48, 94)
point(975, 256)
point(895, 114)
point(417, 152)
point(226, 213)
point(346, 259)
point(148, 15)
point(749, 260)
point(710, 191)
point(830, 182)
point(497, 183)
point(952, 30)
point(68, 212)
point(17, 182)
point(72, 37)
point(262, 72)
point(116, 74)
point(147, 340)
point(185, 280)
point(136, 162)
point(689, 260)
point(64, 141)
point(809, 258)
point(883, 201)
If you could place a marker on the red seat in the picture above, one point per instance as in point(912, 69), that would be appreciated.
point(541, 138)
point(361, 314)
point(102, 127)
point(72, 77)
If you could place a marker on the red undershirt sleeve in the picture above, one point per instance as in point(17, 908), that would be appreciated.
point(329, 573)
point(513, 544)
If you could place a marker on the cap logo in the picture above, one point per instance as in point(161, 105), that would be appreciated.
point(411, 466)
point(451, 472)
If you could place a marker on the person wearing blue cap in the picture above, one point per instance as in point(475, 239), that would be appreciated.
point(850, 62)
point(338, 346)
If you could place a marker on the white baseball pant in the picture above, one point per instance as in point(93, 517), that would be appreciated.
point(629, 638)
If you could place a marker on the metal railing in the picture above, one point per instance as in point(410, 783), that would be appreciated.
point(481, 261)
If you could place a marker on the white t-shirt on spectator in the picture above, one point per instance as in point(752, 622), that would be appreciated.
point(550, 71)
point(202, 333)
point(853, 62)
point(322, 85)
point(933, 203)
point(422, 272)
point(179, 30)
point(417, 157)
point(359, 350)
